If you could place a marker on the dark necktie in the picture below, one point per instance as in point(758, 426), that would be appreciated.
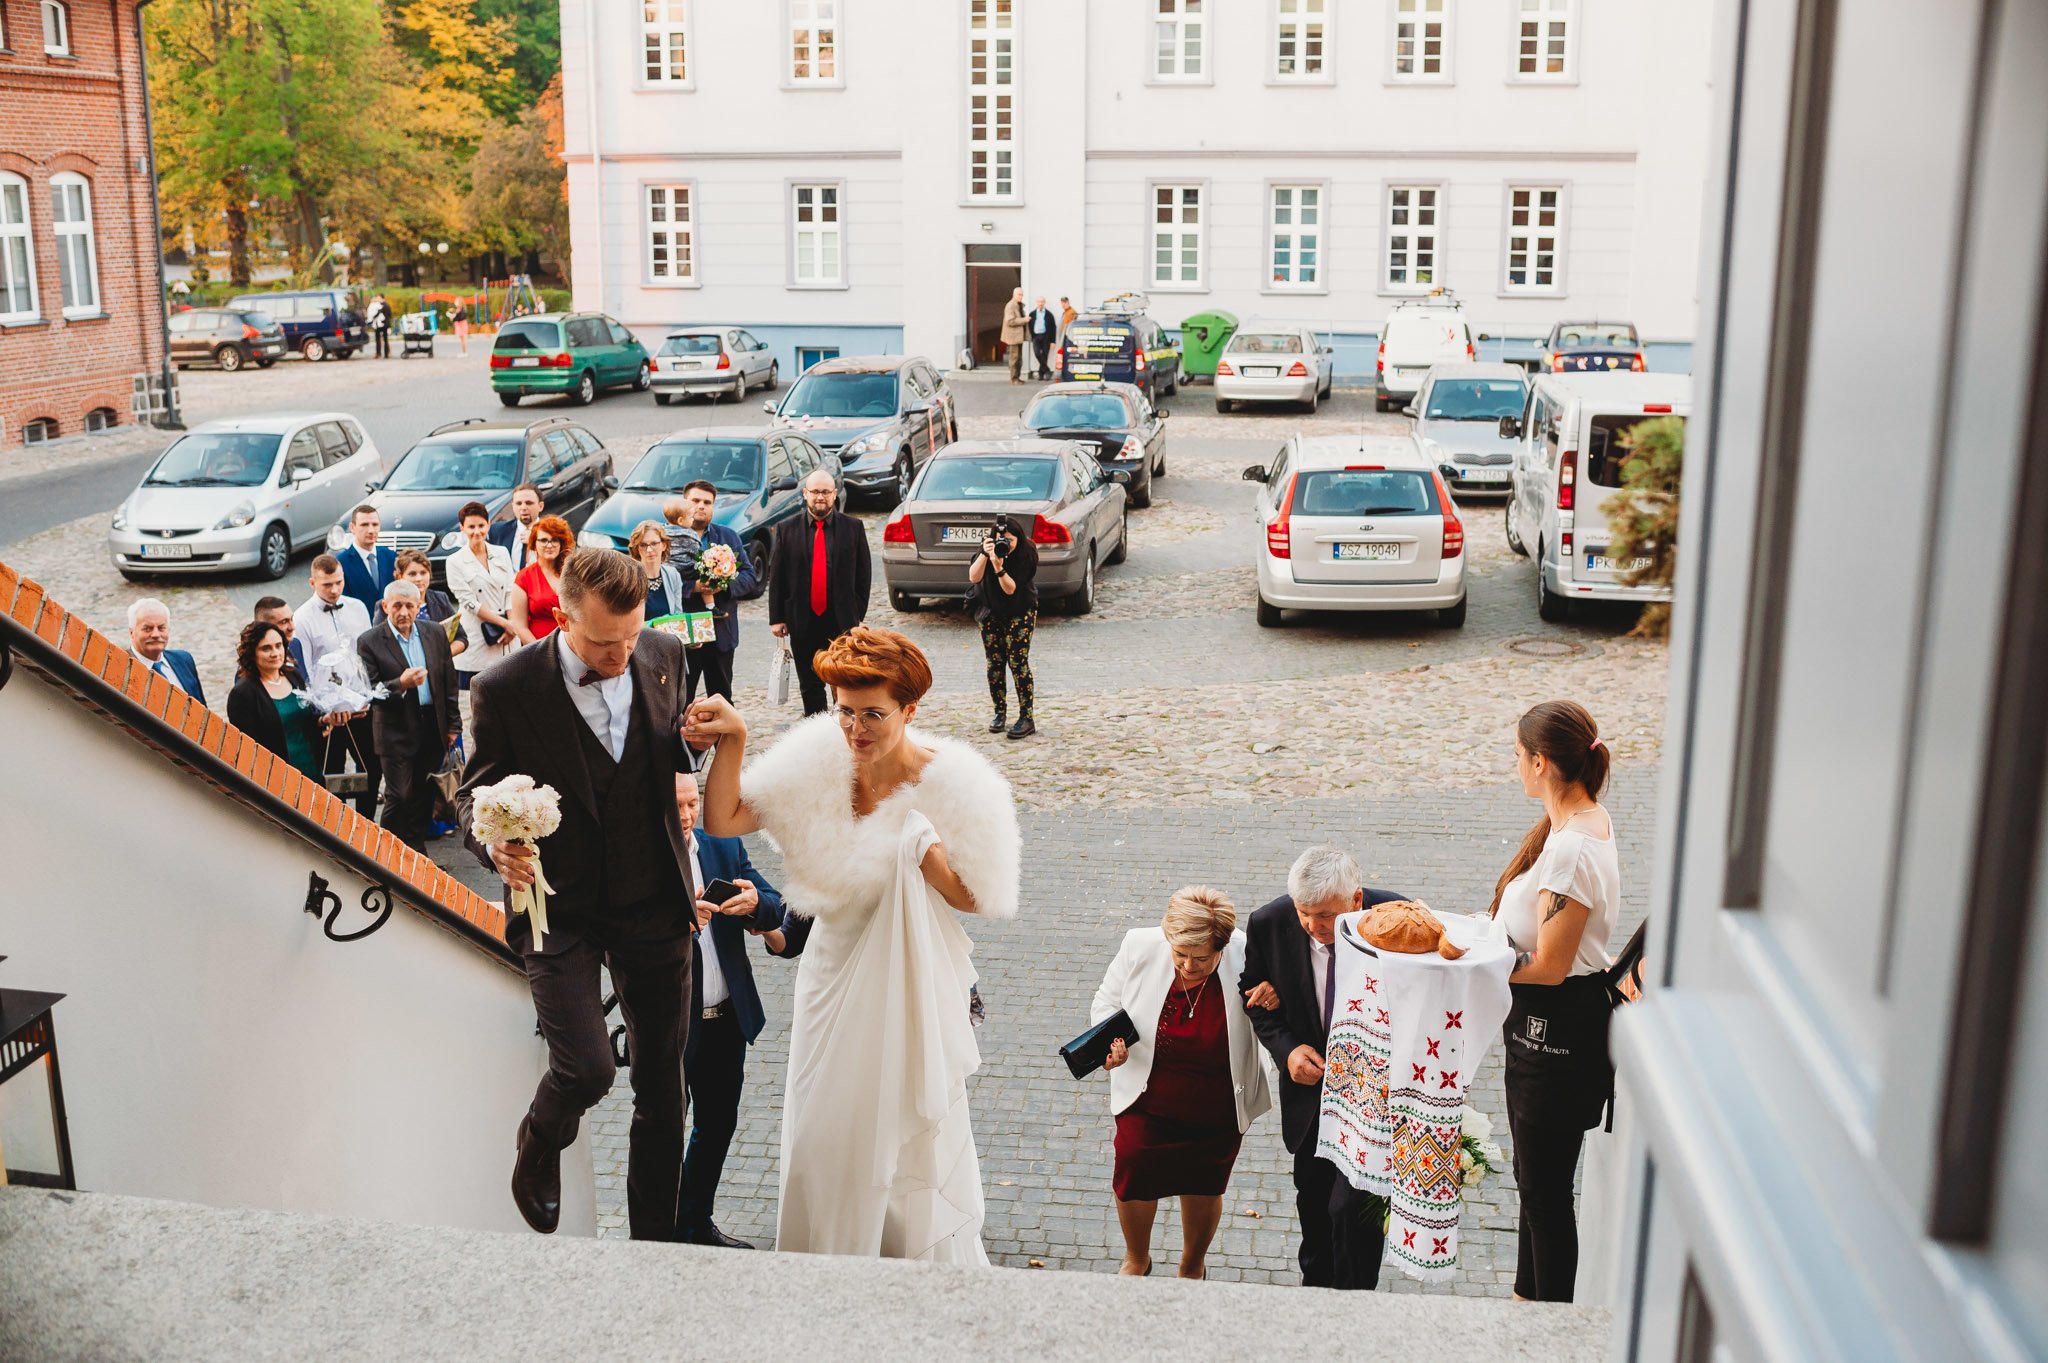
point(1329, 989)
point(818, 569)
point(589, 675)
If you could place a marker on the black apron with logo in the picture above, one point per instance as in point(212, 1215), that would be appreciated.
point(1559, 1072)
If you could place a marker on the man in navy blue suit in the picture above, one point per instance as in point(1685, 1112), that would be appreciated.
point(726, 1014)
point(366, 567)
point(511, 535)
point(275, 610)
point(149, 634)
point(712, 663)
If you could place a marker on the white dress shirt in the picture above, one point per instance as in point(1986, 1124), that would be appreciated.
point(715, 990)
point(162, 667)
point(321, 631)
point(606, 706)
point(1319, 966)
point(369, 559)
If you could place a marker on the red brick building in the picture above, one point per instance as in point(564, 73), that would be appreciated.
point(81, 298)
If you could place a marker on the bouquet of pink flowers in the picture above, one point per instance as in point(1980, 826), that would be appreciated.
point(517, 810)
point(717, 566)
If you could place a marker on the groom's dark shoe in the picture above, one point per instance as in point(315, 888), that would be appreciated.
point(537, 1180)
point(708, 1234)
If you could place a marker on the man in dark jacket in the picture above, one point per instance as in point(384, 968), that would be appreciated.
point(818, 579)
point(419, 721)
point(1044, 325)
point(1289, 978)
point(712, 663)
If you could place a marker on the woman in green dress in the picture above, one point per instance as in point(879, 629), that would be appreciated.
point(266, 704)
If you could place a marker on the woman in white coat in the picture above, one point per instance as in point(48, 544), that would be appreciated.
point(890, 838)
point(1185, 1094)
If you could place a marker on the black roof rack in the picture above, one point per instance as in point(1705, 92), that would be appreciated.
point(457, 425)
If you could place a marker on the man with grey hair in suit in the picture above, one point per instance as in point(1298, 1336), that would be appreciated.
point(418, 722)
point(1290, 971)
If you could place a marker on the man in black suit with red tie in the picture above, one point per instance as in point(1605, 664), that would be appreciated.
point(819, 573)
point(1289, 980)
point(595, 711)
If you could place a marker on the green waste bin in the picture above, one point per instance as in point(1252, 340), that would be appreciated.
point(1202, 338)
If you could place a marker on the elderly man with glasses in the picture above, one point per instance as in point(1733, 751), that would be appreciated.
point(819, 575)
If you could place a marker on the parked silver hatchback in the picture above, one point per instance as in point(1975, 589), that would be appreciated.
point(1274, 364)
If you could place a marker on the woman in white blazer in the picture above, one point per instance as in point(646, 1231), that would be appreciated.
point(1185, 1094)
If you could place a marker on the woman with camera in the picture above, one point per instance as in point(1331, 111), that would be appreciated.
point(1003, 599)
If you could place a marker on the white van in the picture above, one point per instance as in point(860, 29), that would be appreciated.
point(1568, 459)
point(1416, 335)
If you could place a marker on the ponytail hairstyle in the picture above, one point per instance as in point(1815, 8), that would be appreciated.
point(1563, 734)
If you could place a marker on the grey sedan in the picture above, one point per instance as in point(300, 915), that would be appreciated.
point(1274, 364)
point(1457, 414)
point(1073, 512)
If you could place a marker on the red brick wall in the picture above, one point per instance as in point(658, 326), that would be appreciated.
point(85, 114)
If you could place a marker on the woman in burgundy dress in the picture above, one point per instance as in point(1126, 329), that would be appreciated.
point(1185, 1093)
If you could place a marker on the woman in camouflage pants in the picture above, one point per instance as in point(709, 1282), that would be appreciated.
point(1005, 601)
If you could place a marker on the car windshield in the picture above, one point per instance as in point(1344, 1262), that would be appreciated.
point(1077, 411)
point(217, 459)
point(474, 464)
point(1597, 335)
point(1474, 399)
point(728, 465)
point(989, 478)
point(1365, 492)
point(1264, 343)
point(690, 345)
point(530, 335)
point(839, 395)
point(1105, 337)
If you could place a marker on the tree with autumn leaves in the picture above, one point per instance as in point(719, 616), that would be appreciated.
point(380, 125)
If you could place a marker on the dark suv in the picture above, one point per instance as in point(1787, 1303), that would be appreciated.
point(317, 322)
point(1119, 343)
point(228, 337)
point(883, 415)
point(482, 461)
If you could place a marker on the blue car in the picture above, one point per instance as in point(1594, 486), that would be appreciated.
point(757, 474)
point(317, 322)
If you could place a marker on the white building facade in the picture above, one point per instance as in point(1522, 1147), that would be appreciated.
point(873, 176)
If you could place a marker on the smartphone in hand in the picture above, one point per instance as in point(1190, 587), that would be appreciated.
point(718, 891)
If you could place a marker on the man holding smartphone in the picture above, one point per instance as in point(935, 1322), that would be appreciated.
point(726, 1013)
point(1003, 597)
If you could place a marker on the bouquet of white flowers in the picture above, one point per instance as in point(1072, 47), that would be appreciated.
point(1478, 1156)
point(517, 810)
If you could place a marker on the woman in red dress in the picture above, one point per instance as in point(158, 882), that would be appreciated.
point(538, 588)
point(1185, 1093)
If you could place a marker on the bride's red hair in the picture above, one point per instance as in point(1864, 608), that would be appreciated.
point(875, 657)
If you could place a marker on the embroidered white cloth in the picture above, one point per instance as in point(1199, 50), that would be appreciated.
point(1407, 1034)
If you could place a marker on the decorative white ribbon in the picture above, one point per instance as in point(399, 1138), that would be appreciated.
point(532, 900)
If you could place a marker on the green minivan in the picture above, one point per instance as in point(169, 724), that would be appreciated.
point(575, 353)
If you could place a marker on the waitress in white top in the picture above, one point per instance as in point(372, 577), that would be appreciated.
point(1558, 900)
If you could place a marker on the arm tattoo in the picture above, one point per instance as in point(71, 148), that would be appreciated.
point(1557, 903)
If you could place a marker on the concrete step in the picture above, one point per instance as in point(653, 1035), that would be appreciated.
point(93, 1277)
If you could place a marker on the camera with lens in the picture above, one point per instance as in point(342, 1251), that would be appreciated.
point(1003, 526)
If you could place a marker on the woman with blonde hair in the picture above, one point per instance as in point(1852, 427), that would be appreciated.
point(1185, 1094)
point(890, 837)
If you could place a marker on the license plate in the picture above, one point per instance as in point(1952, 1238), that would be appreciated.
point(686, 364)
point(1263, 371)
point(1087, 371)
point(1482, 475)
point(1365, 553)
point(526, 362)
point(962, 534)
point(1600, 563)
point(167, 551)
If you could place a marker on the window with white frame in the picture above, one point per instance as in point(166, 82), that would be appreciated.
point(671, 235)
point(1543, 40)
point(664, 37)
point(1298, 40)
point(815, 241)
point(17, 252)
point(78, 270)
point(1411, 236)
point(1177, 40)
point(1422, 40)
point(991, 99)
point(1177, 236)
point(56, 28)
point(814, 42)
point(1297, 227)
point(1535, 227)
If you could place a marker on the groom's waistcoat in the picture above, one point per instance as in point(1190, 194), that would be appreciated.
point(637, 863)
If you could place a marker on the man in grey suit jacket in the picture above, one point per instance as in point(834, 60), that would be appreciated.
point(419, 721)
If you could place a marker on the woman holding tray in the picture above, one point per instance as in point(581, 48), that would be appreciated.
point(1185, 1094)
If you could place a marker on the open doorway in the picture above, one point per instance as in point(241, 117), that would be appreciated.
point(994, 271)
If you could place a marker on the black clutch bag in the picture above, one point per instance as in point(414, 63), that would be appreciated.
point(1085, 1053)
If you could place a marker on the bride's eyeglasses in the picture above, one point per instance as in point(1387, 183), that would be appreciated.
point(869, 720)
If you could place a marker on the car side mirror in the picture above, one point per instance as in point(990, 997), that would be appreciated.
point(1449, 471)
point(1409, 410)
point(1118, 476)
point(769, 406)
point(611, 484)
point(1161, 415)
point(1510, 428)
point(301, 474)
point(783, 485)
point(1256, 473)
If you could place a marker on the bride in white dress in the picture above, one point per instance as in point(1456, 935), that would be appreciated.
point(888, 836)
